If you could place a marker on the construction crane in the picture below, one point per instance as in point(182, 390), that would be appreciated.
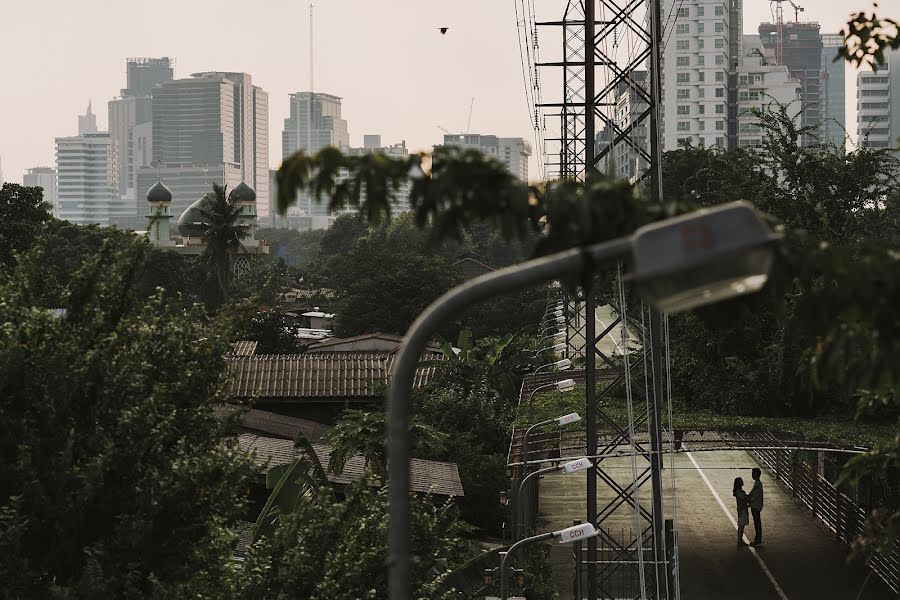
point(779, 23)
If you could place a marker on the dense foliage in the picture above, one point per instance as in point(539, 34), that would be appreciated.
point(118, 480)
point(330, 550)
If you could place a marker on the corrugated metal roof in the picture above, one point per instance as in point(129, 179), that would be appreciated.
point(428, 476)
point(274, 424)
point(244, 348)
point(314, 375)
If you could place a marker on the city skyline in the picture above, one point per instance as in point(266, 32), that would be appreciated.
point(434, 90)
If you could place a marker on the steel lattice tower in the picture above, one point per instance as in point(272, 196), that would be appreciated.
point(594, 78)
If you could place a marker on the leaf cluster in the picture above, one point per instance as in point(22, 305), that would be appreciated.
point(118, 479)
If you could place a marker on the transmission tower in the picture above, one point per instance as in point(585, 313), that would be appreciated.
point(611, 48)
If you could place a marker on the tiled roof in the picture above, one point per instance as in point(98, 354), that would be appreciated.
point(276, 425)
point(244, 348)
point(427, 476)
point(389, 343)
point(314, 375)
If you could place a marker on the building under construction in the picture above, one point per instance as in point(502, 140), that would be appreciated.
point(799, 47)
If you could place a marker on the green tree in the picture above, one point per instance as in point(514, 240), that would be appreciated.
point(386, 279)
point(119, 481)
point(23, 214)
point(330, 550)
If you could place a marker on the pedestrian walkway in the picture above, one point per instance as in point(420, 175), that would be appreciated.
point(798, 561)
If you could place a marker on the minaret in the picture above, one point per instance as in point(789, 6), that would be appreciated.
point(159, 197)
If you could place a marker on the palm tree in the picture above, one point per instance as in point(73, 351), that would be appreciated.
point(361, 433)
point(222, 233)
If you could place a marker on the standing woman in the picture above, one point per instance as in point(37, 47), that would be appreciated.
point(742, 510)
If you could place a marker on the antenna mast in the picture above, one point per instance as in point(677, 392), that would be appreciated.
point(309, 117)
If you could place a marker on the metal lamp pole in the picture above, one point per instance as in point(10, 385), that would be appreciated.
point(565, 536)
point(517, 503)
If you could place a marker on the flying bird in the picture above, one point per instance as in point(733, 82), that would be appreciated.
point(443, 30)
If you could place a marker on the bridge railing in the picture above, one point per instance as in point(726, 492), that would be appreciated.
point(811, 477)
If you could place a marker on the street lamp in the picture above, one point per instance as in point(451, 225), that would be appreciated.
point(563, 536)
point(563, 364)
point(559, 335)
point(554, 348)
point(678, 264)
point(518, 504)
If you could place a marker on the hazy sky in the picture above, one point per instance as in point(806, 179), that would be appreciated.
point(397, 74)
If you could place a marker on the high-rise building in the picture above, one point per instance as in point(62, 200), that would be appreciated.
point(43, 177)
point(312, 131)
point(878, 104)
point(314, 123)
point(700, 58)
point(132, 108)
point(399, 198)
point(211, 127)
point(86, 177)
point(834, 95)
point(513, 152)
point(761, 85)
point(801, 47)
point(622, 143)
point(143, 74)
point(87, 123)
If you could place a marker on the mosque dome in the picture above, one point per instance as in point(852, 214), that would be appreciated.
point(159, 193)
point(242, 193)
point(192, 222)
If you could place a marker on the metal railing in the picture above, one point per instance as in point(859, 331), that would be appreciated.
point(811, 477)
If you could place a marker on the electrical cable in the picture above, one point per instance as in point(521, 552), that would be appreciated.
point(633, 487)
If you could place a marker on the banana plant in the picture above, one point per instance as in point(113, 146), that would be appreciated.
point(302, 477)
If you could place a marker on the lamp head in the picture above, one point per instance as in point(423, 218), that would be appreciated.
point(576, 465)
point(704, 257)
point(563, 364)
point(569, 418)
point(565, 385)
point(575, 534)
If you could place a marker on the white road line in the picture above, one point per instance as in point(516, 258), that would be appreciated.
point(727, 512)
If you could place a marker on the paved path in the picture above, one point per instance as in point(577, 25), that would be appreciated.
point(799, 560)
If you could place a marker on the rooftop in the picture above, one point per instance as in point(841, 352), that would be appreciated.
point(427, 476)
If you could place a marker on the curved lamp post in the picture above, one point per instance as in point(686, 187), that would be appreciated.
point(677, 264)
point(559, 335)
point(563, 536)
point(554, 347)
point(518, 505)
point(563, 364)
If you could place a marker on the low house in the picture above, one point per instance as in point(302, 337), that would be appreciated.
point(315, 385)
point(470, 265)
point(426, 476)
point(384, 343)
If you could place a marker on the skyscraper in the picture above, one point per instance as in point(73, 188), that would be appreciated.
point(143, 74)
point(314, 123)
point(87, 123)
point(626, 159)
point(211, 127)
point(43, 177)
point(313, 131)
point(878, 104)
point(699, 59)
point(132, 108)
point(86, 177)
point(834, 96)
point(511, 151)
point(761, 85)
point(802, 51)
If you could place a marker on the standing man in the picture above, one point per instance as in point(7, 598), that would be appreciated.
point(756, 505)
